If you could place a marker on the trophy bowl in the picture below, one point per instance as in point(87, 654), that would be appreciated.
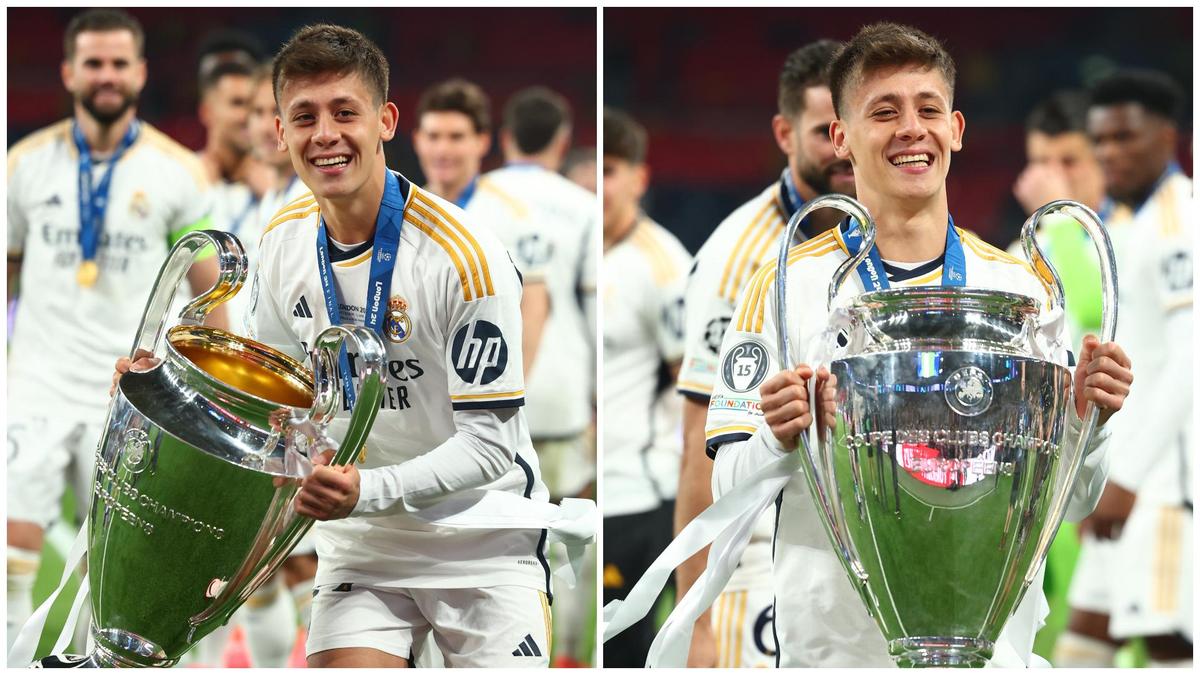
point(939, 463)
point(198, 465)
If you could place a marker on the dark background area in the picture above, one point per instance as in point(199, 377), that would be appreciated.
point(502, 50)
point(704, 83)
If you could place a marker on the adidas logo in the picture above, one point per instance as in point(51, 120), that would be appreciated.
point(53, 201)
point(527, 647)
point(301, 310)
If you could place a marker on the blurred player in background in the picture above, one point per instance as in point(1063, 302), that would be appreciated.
point(1134, 576)
point(228, 61)
point(645, 271)
point(745, 239)
point(453, 135)
point(94, 203)
point(548, 225)
point(270, 615)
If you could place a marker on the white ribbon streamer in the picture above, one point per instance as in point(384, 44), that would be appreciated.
point(727, 524)
point(571, 523)
point(26, 643)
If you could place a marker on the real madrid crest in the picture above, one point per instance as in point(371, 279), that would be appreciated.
point(397, 325)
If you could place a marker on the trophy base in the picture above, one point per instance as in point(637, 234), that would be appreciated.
point(940, 652)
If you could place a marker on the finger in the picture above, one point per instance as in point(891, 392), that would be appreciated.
point(795, 392)
point(787, 413)
point(1105, 400)
point(1106, 383)
point(780, 380)
point(323, 458)
point(1114, 351)
point(793, 428)
point(804, 371)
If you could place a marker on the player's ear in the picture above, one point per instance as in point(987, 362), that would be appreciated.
point(781, 128)
point(641, 178)
point(281, 144)
point(140, 69)
point(485, 140)
point(67, 72)
point(389, 117)
point(837, 134)
point(958, 125)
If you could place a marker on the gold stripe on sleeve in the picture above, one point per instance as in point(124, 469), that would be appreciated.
point(450, 251)
point(735, 254)
point(447, 221)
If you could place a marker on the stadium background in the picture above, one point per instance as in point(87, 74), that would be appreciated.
point(501, 49)
point(704, 82)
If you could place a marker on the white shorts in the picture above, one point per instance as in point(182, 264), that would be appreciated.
point(497, 626)
point(47, 448)
point(744, 623)
point(566, 464)
point(1152, 586)
point(1092, 581)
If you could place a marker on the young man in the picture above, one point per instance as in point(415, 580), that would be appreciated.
point(226, 79)
point(548, 225)
point(731, 255)
point(892, 90)
point(372, 248)
point(645, 269)
point(94, 204)
point(1135, 571)
point(453, 135)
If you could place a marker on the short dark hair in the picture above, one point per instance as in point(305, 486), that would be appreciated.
point(1153, 90)
point(533, 116)
point(461, 96)
point(1062, 113)
point(324, 48)
point(885, 44)
point(806, 67)
point(102, 20)
point(226, 52)
point(624, 138)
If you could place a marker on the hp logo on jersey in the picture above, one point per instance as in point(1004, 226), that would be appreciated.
point(479, 352)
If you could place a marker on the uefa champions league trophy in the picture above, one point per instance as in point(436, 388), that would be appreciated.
point(199, 461)
point(940, 471)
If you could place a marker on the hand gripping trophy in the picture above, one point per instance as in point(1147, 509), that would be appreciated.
point(939, 463)
point(198, 465)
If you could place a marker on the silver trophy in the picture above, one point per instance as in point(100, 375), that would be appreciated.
point(199, 462)
point(937, 462)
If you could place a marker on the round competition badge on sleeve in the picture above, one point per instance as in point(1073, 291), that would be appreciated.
point(397, 326)
point(745, 366)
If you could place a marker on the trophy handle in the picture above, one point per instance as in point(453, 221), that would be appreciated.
point(328, 388)
point(231, 259)
point(1108, 328)
point(818, 483)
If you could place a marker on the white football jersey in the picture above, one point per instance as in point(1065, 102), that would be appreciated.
point(819, 618)
point(548, 224)
point(726, 261)
point(66, 337)
point(1152, 436)
point(644, 277)
point(453, 339)
point(250, 231)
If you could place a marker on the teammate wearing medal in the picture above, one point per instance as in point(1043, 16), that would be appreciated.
point(1134, 576)
point(731, 255)
point(645, 269)
point(271, 613)
point(374, 249)
point(548, 224)
point(892, 89)
point(94, 203)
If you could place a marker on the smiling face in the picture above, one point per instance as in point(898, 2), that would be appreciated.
point(899, 131)
point(106, 74)
point(448, 148)
point(334, 132)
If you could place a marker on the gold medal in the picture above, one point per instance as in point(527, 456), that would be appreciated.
point(87, 274)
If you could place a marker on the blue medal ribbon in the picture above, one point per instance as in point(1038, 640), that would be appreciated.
point(467, 193)
point(383, 261)
point(93, 200)
point(874, 278)
point(792, 202)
